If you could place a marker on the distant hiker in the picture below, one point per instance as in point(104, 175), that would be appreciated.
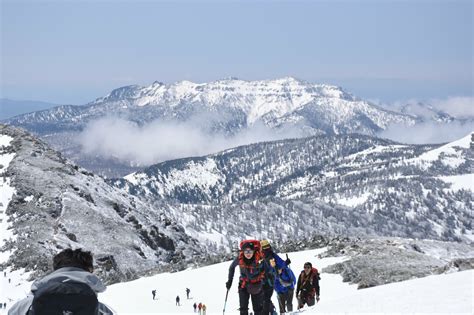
point(204, 308)
point(285, 287)
point(307, 289)
point(177, 300)
point(153, 293)
point(195, 307)
point(71, 288)
point(4, 273)
point(9, 280)
point(200, 307)
point(187, 293)
point(274, 261)
point(253, 269)
point(5, 307)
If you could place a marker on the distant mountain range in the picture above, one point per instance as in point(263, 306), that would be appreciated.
point(224, 107)
point(10, 108)
point(288, 107)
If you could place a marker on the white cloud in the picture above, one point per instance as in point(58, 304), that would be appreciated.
point(425, 133)
point(459, 107)
point(159, 141)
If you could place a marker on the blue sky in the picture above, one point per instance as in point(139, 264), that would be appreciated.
point(74, 51)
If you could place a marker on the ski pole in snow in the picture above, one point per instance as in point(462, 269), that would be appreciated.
point(226, 295)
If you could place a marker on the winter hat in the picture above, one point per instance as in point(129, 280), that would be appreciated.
point(248, 245)
point(265, 244)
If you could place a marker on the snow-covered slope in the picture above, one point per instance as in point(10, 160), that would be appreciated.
point(47, 204)
point(348, 183)
point(445, 293)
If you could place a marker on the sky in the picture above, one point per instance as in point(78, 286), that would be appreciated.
point(71, 52)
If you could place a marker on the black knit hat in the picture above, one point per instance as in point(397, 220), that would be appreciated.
point(248, 245)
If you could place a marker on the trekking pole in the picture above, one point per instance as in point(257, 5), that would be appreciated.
point(226, 295)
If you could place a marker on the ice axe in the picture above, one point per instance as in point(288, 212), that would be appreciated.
point(226, 295)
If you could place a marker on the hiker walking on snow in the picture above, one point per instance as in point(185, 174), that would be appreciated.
point(274, 261)
point(153, 293)
point(187, 293)
point(177, 300)
point(285, 287)
point(200, 307)
point(252, 273)
point(195, 307)
point(307, 289)
point(71, 286)
point(204, 308)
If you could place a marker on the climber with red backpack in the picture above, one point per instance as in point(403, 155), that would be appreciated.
point(307, 289)
point(253, 268)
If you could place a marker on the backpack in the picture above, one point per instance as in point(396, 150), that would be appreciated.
point(62, 296)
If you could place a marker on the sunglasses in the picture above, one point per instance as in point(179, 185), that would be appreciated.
point(248, 251)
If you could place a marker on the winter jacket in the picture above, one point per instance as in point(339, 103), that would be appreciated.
point(251, 271)
point(279, 263)
point(308, 285)
point(285, 280)
point(71, 273)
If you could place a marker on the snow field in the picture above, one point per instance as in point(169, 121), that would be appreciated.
point(449, 293)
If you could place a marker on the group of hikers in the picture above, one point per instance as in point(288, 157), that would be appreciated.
point(201, 308)
point(72, 287)
point(262, 271)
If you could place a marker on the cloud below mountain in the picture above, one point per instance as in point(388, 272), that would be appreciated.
point(459, 107)
point(424, 133)
point(160, 141)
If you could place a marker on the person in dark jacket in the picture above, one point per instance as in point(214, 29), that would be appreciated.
point(275, 262)
point(307, 289)
point(252, 273)
point(285, 286)
point(68, 265)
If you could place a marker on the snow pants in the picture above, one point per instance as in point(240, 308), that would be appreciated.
point(257, 302)
point(285, 301)
point(306, 299)
point(267, 300)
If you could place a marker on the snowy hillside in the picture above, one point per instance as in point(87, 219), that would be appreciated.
point(348, 184)
point(47, 204)
point(445, 293)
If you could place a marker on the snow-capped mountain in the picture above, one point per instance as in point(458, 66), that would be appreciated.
point(349, 184)
point(48, 203)
point(272, 101)
point(225, 107)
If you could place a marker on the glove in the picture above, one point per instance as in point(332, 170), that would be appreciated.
point(287, 261)
point(317, 298)
point(228, 284)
